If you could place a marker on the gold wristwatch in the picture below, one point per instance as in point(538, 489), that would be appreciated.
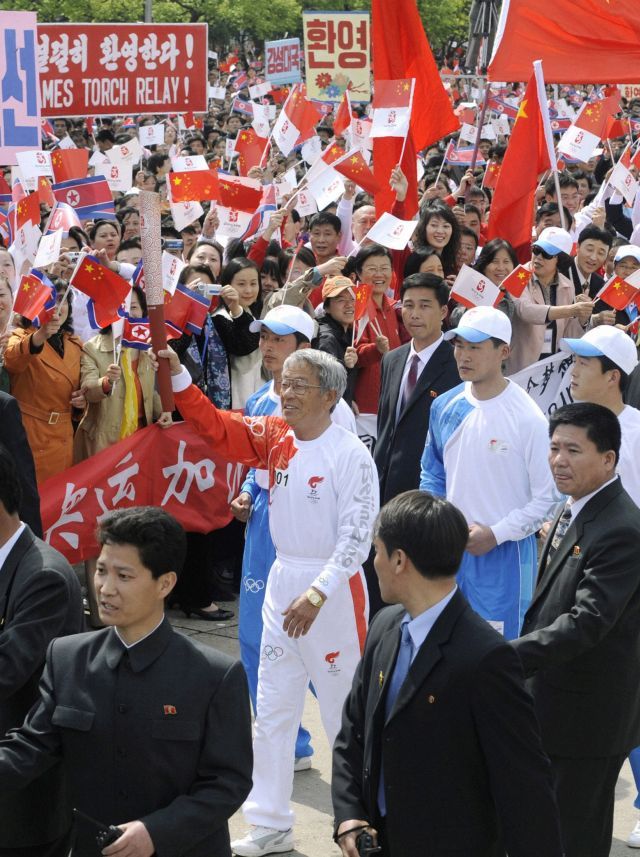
point(314, 597)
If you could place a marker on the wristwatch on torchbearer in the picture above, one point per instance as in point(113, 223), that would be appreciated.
point(314, 597)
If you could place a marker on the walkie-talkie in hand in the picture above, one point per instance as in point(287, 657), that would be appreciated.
point(106, 833)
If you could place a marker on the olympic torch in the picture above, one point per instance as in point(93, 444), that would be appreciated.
point(152, 264)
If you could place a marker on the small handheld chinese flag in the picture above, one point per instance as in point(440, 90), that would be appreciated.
point(239, 193)
point(107, 289)
point(618, 293)
point(33, 295)
point(193, 186)
point(249, 147)
point(516, 282)
point(355, 168)
point(343, 115)
point(69, 164)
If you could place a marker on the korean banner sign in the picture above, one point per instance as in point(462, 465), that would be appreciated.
point(100, 69)
point(548, 382)
point(20, 105)
point(282, 61)
point(336, 50)
point(171, 468)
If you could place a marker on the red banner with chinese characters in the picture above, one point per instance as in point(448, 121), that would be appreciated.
point(102, 69)
point(336, 48)
point(172, 468)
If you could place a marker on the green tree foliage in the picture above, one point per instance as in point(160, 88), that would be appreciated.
point(444, 20)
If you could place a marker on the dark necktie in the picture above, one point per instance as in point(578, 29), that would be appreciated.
point(403, 662)
point(564, 522)
point(410, 382)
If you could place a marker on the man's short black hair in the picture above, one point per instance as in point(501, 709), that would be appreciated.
point(10, 487)
point(468, 232)
point(159, 538)
point(564, 180)
point(105, 135)
point(600, 423)
point(608, 365)
point(325, 218)
point(431, 531)
point(427, 281)
point(594, 233)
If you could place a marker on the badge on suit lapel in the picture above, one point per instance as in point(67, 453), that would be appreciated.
point(576, 550)
point(433, 394)
point(170, 709)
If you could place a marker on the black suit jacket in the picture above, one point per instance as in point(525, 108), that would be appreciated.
point(44, 602)
point(581, 635)
point(463, 763)
point(14, 438)
point(159, 733)
point(399, 447)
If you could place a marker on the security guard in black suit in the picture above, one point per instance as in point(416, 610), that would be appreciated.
point(40, 599)
point(152, 728)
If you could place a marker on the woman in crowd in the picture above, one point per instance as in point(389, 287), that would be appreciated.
point(496, 261)
point(270, 277)
point(105, 235)
point(207, 252)
point(335, 328)
point(240, 304)
point(547, 310)
point(7, 267)
point(120, 393)
point(423, 260)
point(373, 266)
point(44, 367)
point(439, 229)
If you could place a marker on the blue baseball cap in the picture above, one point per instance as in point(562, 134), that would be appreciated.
point(605, 341)
point(480, 323)
point(284, 320)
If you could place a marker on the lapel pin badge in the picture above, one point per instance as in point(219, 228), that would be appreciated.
point(431, 699)
point(576, 550)
point(380, 679)
point(170, 709)
point(433, 394)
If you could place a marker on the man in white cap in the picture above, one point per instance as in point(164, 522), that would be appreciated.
point(547, 309)
point(283, 330)
point(486, 452)
point(605, 357)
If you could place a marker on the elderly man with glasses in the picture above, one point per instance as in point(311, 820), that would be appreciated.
point(548, 308)
point(323, 502)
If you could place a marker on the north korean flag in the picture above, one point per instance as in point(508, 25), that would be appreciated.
point(89, 197)
point(136, 333)
point(186, 309)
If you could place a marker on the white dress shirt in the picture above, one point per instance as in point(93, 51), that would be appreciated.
point(7, 547)
point(423, 356)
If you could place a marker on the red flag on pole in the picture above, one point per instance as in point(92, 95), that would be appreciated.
point(249, 147)
point(193, 186)
point(401, 50)
point(526, 158)
point(343, 116)
point(69, 164)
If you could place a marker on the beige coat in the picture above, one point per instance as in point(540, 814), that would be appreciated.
point(100, 426)
point(530, 320)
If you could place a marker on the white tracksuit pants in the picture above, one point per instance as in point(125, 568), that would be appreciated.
point(327, 656)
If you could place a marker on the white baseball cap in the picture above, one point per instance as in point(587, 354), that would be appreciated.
point(480, 323)
point(286, 319)
point(605, 341)
point(627, 250)
point(554, 240)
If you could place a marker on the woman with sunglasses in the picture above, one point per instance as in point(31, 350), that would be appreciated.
point(548, 309)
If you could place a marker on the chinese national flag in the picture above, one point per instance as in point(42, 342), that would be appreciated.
point(617, 293)
point(45, 192)
point(516, 282)
point(511, 215)
point(193, 186)
point(362, 293)
point(31, 297)
point(343, 116)
point(28, 209)
point(239, 193)
point(594, 115)
point(107, 289)
point(401, 51)
point(576, 41)
point(491, 176)
point(69, 164)
point(4, 187)
point(355, 168)
point(614, 128)
point(635, 159)
point(250, 148)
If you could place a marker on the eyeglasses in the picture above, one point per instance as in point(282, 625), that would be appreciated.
point(374, 271)
point(538, 251)
point(298, 386)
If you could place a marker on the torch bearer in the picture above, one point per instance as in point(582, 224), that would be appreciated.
point(152, 265)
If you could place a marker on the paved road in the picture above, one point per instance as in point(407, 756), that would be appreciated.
point(311, 797)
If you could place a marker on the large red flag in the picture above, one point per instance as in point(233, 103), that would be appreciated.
point(401, 50)
point(578, 42)
point(527, 156)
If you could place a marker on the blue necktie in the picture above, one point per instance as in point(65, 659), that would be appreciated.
point(403, 662)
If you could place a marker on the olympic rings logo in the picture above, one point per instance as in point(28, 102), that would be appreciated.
point(252, 585)
point(272, 653)
point(257, 425)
